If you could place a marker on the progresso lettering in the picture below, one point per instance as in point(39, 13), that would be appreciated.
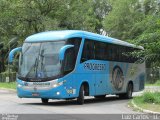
point(94, 66)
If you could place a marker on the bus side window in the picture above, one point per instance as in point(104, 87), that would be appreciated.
point(100, 50)
point(69, 61)
point(88, 51)
point(76, 42)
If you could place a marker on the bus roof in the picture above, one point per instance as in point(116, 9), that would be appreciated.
point(65, 34)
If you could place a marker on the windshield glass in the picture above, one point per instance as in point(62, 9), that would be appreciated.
point(40, 60)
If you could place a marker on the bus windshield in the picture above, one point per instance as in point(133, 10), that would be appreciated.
point(40, 60)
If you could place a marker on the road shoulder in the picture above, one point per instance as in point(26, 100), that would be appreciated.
point(137, 107)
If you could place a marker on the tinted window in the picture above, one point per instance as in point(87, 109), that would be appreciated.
point(106, 51)
point(101, 50)
point(69, 61)
point(71, 55)
point(76, 42)
point(88, 50)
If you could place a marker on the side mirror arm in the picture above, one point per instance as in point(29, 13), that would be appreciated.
point(63, 50)
point(12, 53)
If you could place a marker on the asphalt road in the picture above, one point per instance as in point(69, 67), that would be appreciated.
point(11, 104)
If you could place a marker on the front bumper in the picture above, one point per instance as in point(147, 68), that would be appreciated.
point(54, 93)
point(59, 92)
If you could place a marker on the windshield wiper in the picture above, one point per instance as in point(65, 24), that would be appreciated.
point(43, 68)
point(33, 66)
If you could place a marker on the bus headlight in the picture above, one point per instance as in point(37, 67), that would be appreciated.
point(57, 84)
point(19, 85)
point(58, 93)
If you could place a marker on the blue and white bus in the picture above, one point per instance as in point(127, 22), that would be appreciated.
point(72, 64)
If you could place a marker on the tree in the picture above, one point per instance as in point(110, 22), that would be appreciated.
point(137, 22)
point(21, 18)
point(124, 14)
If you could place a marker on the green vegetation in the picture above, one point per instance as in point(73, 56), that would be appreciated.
point(149, 97)
point(21, 18)
point(148, 101)
point(157, 83)
point(3, 76)
point(136, 21)
point(11, 85)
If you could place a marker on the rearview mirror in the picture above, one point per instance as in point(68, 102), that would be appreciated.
point(63, 50)
point(12, 53)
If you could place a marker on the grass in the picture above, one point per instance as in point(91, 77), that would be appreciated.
point(148, 101)
point(130, 105)
point(11, 85)
point(157, 83)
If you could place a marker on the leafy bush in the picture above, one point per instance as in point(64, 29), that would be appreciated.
point(149, 97)
point(157, 83)
point(6, 74)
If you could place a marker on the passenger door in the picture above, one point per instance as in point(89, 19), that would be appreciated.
point(95, 65)
point(87, 62)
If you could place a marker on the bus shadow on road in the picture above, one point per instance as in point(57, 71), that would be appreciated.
point(74, 102)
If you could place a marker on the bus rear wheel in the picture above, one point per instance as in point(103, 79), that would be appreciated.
point(129, 91)
point(80, 99)
point(44, 100)
point(128, 94)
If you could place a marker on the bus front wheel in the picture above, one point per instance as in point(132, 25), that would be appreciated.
point(44, 100)
point(80, 98)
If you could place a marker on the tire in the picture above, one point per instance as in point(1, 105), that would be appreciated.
point(129, 91)
point(100, 96)
point(80, 99)
point(44, 100)
point(128, 94)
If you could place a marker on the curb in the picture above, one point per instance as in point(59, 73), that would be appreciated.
point(152, 88)
point(11, 90)
point(143, 110)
